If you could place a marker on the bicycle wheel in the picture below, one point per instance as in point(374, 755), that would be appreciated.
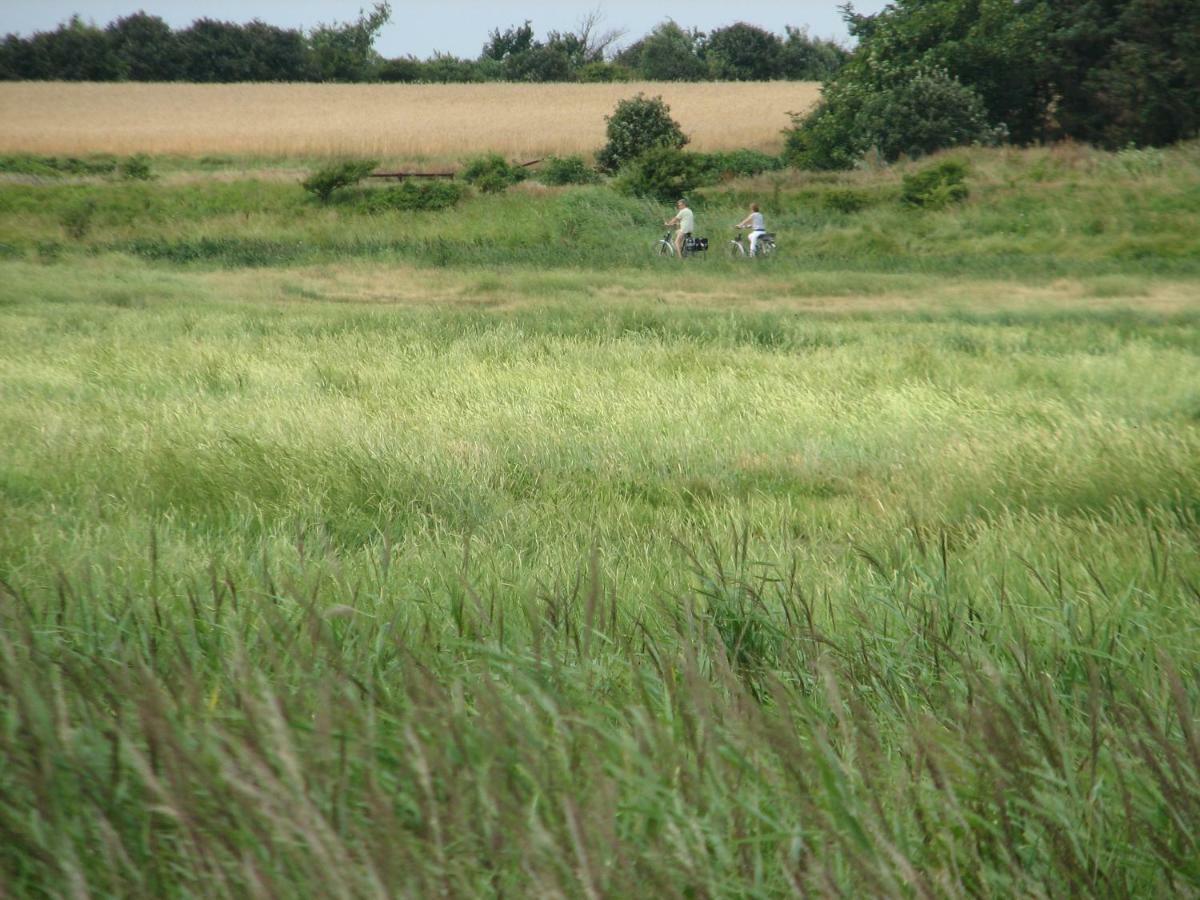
point(663, 248)
point(765, 247)
point(735, 250)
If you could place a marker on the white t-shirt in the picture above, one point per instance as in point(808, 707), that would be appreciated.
point(687, 220)
point(757, 222)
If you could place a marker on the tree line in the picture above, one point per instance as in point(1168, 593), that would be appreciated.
point(143, 47)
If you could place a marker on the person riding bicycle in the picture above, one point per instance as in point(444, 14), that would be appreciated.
point(686, 220)
point(756, 224)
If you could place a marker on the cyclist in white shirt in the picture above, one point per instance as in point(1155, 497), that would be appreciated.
point(756, 224)
point(686, 220)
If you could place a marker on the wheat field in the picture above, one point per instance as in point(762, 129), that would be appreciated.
point(402, 121)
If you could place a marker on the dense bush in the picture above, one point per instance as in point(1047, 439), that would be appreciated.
point(937, 186)
point(325, 181)
point(736, 163)
point(76, 218)
point(557, 170)
point(844, 200)
point(136, 168)
point(664, 173)
point(424, 196)
point(913, 116)
point(605, 72)
point(743, 52)
point(492, 173)
point(402, 70)
point(53, 166)
point(929, 112)
point(637, 125)
point(804, 58)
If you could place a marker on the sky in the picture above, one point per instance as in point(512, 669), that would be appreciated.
point(451, 26)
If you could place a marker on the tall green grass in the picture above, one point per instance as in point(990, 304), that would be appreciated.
point(372, 579)
point(1049, 213)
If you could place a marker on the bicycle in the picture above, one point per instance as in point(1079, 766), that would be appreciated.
point(764, 246)
point(692, 246)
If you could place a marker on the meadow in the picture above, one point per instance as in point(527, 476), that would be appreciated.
point(480, 553)
point(400, 121)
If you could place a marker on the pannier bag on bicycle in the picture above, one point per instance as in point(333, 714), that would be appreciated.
point(695, 244)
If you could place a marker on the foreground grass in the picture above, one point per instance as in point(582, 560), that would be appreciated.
point(369, 580)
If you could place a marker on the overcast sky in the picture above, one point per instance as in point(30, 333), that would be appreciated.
point(452, 26)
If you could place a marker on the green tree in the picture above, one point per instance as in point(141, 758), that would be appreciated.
point(146, 47)
point(668, 53)
point(1127, 71)
point(211, 51)
point(21, 60)
point(545, 62)
point(346, 52)
point(662, 173)
point(743, 52)
point(77, 51)
point(637, 125)
point(803, 58)
point(995, 47)
point(276, 54)
point(513, 41)
point(912, 117)
point(336, 176)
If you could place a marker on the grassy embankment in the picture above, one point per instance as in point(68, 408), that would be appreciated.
point(477, 553)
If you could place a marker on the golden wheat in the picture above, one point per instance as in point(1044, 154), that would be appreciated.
point(389, 121)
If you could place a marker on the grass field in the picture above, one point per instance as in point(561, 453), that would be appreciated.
point(481, 553)
point(389, 121)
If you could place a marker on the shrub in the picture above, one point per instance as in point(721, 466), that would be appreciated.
point(604, 72)
point(492, 173)
point(917, 115)
point(411, 195)
point(664, 173)
point(566, 170)
point(325, 181)
point(53, 166)
point(637, 125)
point(76, 219)
point(937, 186)
point(401, 70)
point(927, 113)
point(826, 138)
point(136, 168)
point(844, 200)
point(737, 163)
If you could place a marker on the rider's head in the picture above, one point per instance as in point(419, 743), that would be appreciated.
point(680, 203)
point(753, 207)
